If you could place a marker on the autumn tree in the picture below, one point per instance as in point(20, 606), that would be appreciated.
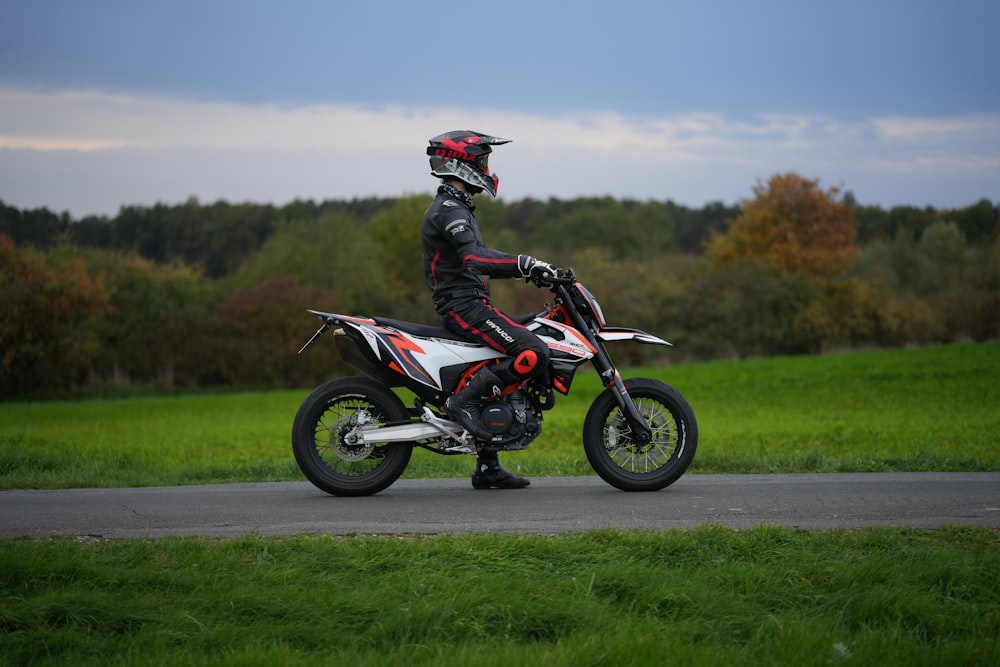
point(793, 226)
point(800, 242)
point(49, 320)
point(149, 327)
point(943, 288)
point(255, 335)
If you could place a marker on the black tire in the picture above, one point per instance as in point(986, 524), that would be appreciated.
point(326, 459)
point(627, 465)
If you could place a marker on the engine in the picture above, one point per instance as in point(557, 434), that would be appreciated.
point(513, 420)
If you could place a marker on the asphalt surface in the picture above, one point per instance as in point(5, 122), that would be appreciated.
point(551, 505)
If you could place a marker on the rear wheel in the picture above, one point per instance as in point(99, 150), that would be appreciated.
point(322, 437)
point(628, 464)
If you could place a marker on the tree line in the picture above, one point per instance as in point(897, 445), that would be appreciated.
point(199, 296)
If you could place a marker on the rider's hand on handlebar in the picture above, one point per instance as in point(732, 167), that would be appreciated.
point(544, 271)
point(535, 270)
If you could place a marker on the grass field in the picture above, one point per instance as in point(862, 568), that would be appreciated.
point(709, 596)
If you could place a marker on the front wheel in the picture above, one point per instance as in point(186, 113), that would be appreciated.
point(323, 442)
point(632, 466)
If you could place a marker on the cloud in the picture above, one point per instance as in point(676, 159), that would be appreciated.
point(895, 128)
point(87, 120)
point(92, 149)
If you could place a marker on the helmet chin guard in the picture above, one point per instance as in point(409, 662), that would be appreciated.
point(464, 155)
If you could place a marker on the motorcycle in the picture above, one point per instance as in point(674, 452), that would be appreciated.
point(354, 436)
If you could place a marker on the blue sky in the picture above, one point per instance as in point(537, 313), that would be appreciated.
point(110, 103)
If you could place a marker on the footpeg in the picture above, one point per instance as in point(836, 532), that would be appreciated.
point(464, 443)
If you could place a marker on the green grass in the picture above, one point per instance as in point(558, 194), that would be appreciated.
point(928, 409)
point(159, 441)
point(710, 596)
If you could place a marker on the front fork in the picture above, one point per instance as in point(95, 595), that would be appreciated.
point(613, 379)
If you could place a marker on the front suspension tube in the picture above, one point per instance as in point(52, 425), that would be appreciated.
point(640, 430)
point(612, 378)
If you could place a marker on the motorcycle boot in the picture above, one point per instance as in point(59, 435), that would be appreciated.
point(466, 405)
point(489, 473)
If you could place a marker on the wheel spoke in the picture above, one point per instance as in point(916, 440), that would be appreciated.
point(632, 456)
point(336, 422)
point(329, 443)
point(628, 462)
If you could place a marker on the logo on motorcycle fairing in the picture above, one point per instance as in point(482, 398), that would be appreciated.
point(500, 332)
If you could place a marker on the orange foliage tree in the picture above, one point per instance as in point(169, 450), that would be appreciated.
point(49, 320)
point(256, 333)
point(795, 227)
point(801, 239)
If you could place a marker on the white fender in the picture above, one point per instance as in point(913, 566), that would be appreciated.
point(610, 334)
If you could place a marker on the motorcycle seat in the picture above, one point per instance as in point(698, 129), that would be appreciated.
point(422, 330)
point(427, 331)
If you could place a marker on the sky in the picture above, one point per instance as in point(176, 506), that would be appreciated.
point(111, 103)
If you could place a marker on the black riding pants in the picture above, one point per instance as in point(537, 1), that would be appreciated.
point(478, 321)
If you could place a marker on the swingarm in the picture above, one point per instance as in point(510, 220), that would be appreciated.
point(366, 432)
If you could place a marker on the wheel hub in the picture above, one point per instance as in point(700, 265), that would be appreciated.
point(346, 439)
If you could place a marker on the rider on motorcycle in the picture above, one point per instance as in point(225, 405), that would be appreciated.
point(458, 267)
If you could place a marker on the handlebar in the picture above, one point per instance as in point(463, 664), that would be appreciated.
point(567, 277)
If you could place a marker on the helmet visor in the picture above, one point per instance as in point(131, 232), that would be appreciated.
point(483, 163)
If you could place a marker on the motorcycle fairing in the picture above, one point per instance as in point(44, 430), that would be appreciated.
point(415, 357)
point(392, 352)
point(562, 339)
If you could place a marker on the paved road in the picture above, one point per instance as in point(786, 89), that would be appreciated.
point(551, 505)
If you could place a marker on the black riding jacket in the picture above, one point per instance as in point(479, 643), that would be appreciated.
point(456, 263)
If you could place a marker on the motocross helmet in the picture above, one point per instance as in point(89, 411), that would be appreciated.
point(464, 155)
